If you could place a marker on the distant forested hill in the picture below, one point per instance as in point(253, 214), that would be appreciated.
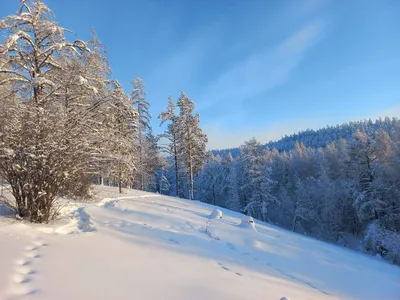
point(322, 137)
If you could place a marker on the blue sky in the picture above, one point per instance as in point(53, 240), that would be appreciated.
point(261, 68)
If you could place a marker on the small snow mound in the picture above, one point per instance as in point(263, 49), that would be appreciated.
point(107, 202)
point(79, 222)
point(216, 214)
point(247, 222)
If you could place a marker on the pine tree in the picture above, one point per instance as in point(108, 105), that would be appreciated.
point(122, 125)
point(230, 189)
point(363, 157)
point(151, 161)
point(211, 181)
point(172, 134)
point(192, 140)
point(256, 183)
point(138, 96)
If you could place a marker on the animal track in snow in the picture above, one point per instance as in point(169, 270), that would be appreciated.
point(40, 243)
point(229, 270)
point(230, 246)
point(23, 262)
point(23, 277)
point(31, 248)
point(223, 267)
point(33, 255)
point(25, 270)
point(172, 240)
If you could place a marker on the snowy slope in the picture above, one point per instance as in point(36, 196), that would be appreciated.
point(147, 246)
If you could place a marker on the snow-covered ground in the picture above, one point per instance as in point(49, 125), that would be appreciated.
point(147, 246)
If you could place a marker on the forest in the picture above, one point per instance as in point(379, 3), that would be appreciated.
point(349, 187)
point(66, 124)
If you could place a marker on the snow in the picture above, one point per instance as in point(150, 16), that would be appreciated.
point(248, 222)
point(215, 214)
point(148, 246)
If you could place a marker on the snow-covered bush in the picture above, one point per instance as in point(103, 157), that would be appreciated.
point(386, 243)
point(60, 115)
point(247, 222)
point(215, 214)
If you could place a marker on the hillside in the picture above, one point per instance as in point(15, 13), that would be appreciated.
point(321, 137)
point(148, 246)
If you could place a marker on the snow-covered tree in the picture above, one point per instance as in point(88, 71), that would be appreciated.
point(151, 161)
point(211, 181)
point(255, 180)
point(122, 126)
point(138, 95)
point(363, 158)
point(60, 104)
point(330, 183)
point(192, 140)
point(40, 151)
point(163, 182)
point(171, 134)
point(230, 190)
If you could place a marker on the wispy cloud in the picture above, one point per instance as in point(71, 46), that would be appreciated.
point(261, 71)
point(178, 69)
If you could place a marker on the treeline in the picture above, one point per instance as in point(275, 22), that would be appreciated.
point(65, 122)
point(349, 187)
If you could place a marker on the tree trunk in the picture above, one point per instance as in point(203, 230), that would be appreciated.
point(191, 181)
point(141, 159)
point(119, 179)
point(213, 194)
point(294, 223)
point(176, 168)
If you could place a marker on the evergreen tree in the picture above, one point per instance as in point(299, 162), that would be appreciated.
point(192, 141)
point(138, 95)
point(256, 183)
point(172, 134)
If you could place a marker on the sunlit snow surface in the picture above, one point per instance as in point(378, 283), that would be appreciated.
point(147, 246)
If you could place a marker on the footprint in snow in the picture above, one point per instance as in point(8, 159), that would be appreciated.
point(172, 240)
point(227, 269)
point(24, 271)
point(230, 246)
point(23, 262)
point(21, 278)
point(31, 248)
point(40, 243)
point(223, 267)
